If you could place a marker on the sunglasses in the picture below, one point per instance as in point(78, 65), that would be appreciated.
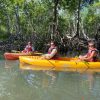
point(90, 45)
point(51, 43)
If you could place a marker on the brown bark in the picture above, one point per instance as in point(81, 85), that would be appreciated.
point(78, 18)
point(56, 2)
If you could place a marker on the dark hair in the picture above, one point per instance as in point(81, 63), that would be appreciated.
point(55, 42)
point(92, 42)
point(30, 43)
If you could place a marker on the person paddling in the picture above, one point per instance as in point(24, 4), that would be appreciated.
point(92, 55)
point(28, 48)
point(52, 51)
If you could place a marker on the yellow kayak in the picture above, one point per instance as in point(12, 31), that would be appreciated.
point(61, 64)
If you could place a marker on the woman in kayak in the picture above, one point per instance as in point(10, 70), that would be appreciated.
point(92, 55)
point(52, 51)
point(28, 48)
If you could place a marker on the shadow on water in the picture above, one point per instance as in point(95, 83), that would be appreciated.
point(17, 84)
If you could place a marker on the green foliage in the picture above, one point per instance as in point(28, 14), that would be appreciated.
point(92, 19)
point(4, 36)
point(28, 16)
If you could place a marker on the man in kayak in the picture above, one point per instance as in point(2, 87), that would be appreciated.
point(52, 51)
point(28, 48)
point(92, 55)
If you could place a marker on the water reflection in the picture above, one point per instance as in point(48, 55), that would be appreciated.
point(54, 75)
point(10, 63)
point(40, 79)
point(75, 85)
point(47, 85)
point(91, 80)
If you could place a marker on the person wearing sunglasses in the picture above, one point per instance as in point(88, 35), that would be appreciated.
point(28, 48)
point(92, 55)
point(52, 51)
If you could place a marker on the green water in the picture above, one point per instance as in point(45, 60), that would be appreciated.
point(17, 84)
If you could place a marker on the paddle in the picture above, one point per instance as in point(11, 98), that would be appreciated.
point(43, 57)
point(85, 62)
point(15, 51)
point(77, 61)
point(36, 53)
point(51, 64)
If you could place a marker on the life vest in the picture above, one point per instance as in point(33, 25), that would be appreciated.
point(93, 59)
point(27, 49)
point(50, 50)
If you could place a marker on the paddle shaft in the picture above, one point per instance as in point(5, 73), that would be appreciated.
point(51, 64)
point(15, 51)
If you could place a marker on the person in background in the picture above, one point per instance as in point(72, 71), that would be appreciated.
point(52, 51)
point(92, 55)
point(28, 48)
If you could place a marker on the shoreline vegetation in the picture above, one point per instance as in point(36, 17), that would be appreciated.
point(69, 46)
point(69, 22)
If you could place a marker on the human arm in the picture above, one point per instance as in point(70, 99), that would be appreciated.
point(54, 51)
point(89, 57)
point(49, 56)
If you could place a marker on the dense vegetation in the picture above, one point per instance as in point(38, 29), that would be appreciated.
point(70, 22)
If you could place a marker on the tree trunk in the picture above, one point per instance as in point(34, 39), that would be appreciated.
point(56, 2)
point(78, 18)
point(17, 19)
point(8, 24)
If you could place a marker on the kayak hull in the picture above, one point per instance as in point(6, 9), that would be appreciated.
point(60, 64)
point(15, 56)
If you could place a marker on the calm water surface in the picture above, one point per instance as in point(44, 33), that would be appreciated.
point(17, 84)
